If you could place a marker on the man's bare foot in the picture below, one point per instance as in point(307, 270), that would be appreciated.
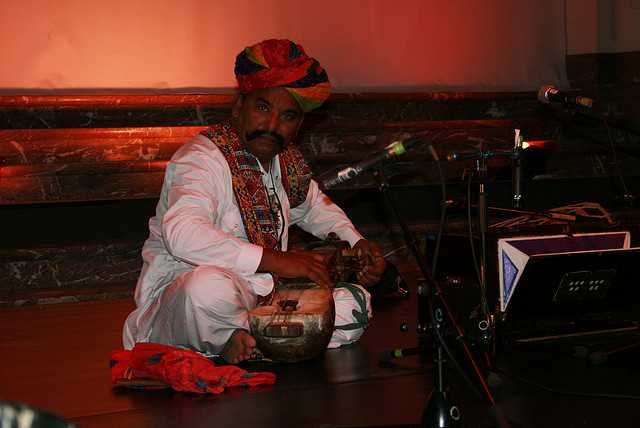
point(240, 346)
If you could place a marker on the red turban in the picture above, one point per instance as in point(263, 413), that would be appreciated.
point(283, 63)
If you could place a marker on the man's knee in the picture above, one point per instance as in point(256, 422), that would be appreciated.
point(353, 311)
point(206, 285)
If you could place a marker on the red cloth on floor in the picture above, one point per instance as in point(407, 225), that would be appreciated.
point(182, 369)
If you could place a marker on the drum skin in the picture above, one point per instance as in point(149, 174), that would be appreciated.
point(297, 326)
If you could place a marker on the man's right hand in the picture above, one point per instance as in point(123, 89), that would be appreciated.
point(296, 264)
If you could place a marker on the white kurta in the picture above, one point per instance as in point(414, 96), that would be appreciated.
point(198, 225)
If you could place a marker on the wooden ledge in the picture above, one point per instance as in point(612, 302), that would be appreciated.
point(117, 101)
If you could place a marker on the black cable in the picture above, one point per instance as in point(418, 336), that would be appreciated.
point(625, 190)
point(483, 288)
point(435, 292)
point(443, 212)
point(483, 283)
point(443, 343)
point(453, 360)
point(482, 222)
point(470, 223)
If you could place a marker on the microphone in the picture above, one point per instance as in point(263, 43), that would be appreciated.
point(394, 149)
point(550, 94)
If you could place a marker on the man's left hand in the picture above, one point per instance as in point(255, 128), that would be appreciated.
point(372, 260)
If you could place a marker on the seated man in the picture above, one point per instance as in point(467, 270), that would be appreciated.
point(219, 235)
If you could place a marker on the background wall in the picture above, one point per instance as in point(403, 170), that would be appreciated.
point(603, 26)
point(375, 45)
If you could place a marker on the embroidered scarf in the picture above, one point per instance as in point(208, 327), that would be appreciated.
point(260, 222)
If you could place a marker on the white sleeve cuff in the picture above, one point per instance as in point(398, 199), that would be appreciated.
point(249, 259)
point(350, 235)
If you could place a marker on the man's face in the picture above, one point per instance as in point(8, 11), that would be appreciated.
point(266, 121)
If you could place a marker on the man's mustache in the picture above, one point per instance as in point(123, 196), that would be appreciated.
point(259, 133)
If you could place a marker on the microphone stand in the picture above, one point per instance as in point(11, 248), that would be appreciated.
point(438, 411)
point(481, 169)
point(486, 324)
point(517, 173)
point(483, 220)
